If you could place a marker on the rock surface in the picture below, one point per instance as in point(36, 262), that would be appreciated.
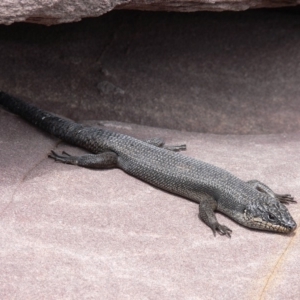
point(206, 72)
point(64, 11)
point(208, 5)
point(73, 233)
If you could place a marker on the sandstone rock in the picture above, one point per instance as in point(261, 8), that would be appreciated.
point(208, 5)
point(63, 11)
point(53, 11)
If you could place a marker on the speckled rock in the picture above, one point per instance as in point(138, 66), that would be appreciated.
point(74, 233)
point(63, 11)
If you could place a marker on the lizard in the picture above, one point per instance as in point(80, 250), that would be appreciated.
point(249, 203)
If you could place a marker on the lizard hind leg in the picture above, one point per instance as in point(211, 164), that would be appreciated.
point(158, 142)
point(103, 160)
point(261, 187)
point(207, 206)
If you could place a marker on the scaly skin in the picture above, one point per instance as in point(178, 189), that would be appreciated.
point(251, 204)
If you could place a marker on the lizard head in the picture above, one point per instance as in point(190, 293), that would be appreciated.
point(268, 214)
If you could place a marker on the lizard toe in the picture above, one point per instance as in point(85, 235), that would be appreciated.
point(222, 230)
point(285, 198)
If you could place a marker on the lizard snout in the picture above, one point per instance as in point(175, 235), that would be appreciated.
point(292, 226)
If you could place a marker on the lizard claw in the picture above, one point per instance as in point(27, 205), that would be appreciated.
point(65, 153)
point(53, 155)
point(221, 229)
point(176, 148)
point(285, 198)
point(65, 158)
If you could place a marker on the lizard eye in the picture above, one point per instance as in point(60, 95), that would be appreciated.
point(271, 217)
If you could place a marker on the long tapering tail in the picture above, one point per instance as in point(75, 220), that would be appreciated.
point(55, 125)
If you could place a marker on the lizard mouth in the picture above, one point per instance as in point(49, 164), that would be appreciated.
point(287, 228)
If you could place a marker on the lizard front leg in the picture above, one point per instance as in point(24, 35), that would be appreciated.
point(103, 160)
point(261, 187)
point(207, 206)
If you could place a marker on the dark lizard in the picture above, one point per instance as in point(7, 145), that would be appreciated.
point(251, 203)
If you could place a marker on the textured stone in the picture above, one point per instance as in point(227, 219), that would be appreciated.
point(207, 5)
point(73, 233)
point(206, 72)
point(51, 12)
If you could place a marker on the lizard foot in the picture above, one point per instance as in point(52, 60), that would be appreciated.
point(285, 198)
point(65, 158)
point(176, 148)
point(221, 229)
point(158, 142)
point(103, 160)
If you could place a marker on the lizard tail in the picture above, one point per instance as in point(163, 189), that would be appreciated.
point(55, 125)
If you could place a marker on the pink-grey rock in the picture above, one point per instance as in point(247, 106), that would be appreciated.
point(205, 5)
point(220, 73)
point(53, 11)
point(63, 11)
point(72, 233)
